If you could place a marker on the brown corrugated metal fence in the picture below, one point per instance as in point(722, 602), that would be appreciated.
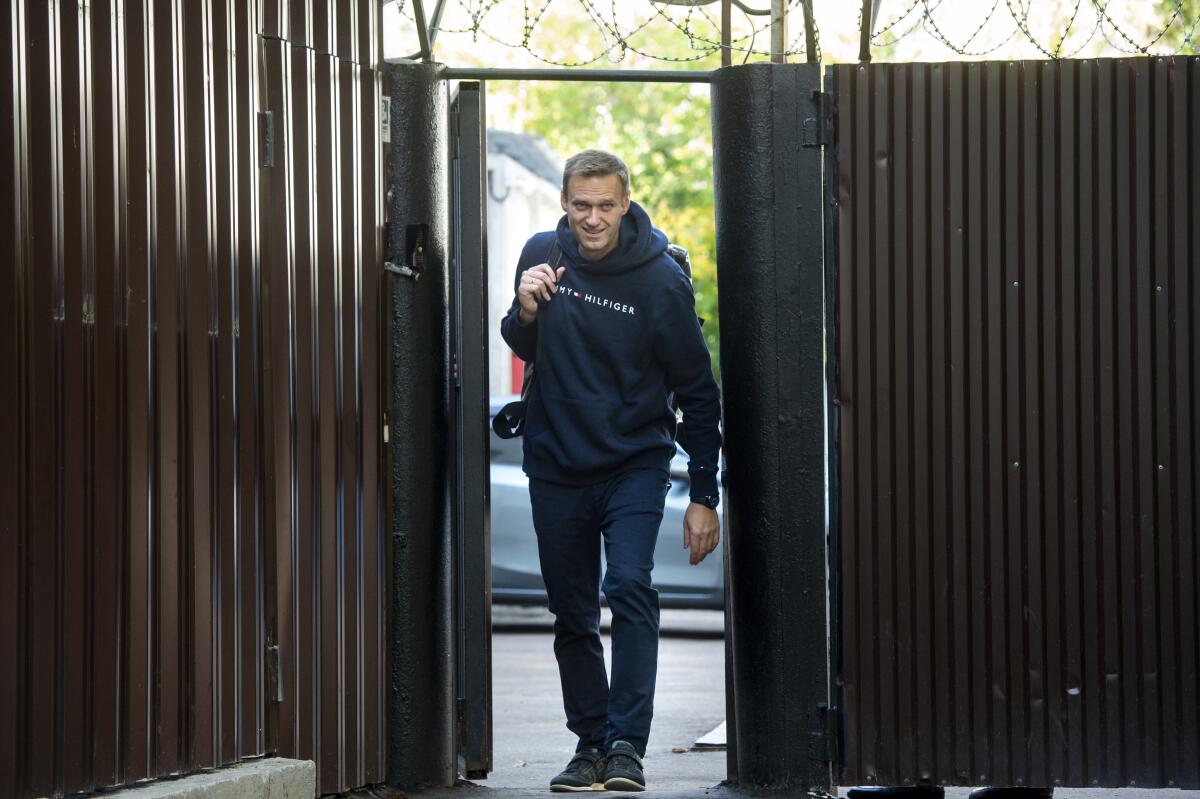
point(1018, 329)
point(189, 397)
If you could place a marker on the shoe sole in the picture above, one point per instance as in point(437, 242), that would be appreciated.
point(595, 786)
point(623, 784)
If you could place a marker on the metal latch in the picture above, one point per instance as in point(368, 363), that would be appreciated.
point(413, 262)
point(817, 129)
point(402, 269)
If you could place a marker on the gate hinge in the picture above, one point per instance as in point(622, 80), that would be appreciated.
point(817, 129)
point(826, 741)
point(274, 674)
point(266, 138)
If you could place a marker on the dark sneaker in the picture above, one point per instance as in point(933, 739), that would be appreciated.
point(895, 792)
point(624, 769)
point(585, 772)
point(1012, 792)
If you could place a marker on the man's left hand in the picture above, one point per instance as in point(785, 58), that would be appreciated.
point(701, 531)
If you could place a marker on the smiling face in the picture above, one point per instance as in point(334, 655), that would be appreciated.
point(594, 205)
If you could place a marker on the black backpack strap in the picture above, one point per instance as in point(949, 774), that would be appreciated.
point(553, 260)
point(510, 421)
point(554, 255)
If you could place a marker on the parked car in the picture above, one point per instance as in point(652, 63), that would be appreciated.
point(516, 576)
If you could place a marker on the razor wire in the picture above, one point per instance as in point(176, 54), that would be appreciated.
point(697, 28)
point(920, 15)
point(697, 34)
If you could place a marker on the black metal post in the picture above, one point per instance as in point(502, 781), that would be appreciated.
point(810, 33)
point(435, 24)
point(865, 30)
point(779, 37)
point(422, 30)
point(726, 32)
point(420, 713)
point(767, 173)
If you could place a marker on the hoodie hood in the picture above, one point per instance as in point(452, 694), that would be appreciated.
point(639, 243)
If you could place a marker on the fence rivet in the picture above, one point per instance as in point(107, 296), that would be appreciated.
point(1158, 288)
point(1016, 283)
point(1161, 467)
point(1016, 464)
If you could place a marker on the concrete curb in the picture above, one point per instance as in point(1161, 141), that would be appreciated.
point(269, 778)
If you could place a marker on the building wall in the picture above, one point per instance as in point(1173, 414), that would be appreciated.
point(519, 205)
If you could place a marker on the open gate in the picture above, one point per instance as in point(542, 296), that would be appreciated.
point(1017, 320)
point(470, 433)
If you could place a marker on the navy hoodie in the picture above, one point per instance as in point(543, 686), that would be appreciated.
point(620, 336)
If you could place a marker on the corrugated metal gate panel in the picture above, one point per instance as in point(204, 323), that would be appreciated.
point(144, 424)
point(322, 212)
point(1018, 316)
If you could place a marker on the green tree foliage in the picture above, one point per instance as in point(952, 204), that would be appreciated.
point(1184, 27)
point(662, 130)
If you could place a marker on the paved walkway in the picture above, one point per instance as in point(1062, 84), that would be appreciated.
point(532, 742)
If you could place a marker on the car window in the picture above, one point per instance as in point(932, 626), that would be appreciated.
point(506, 450)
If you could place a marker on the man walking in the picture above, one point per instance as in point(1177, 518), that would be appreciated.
point(614, 333)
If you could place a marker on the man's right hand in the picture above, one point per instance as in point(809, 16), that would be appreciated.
point(537, 283)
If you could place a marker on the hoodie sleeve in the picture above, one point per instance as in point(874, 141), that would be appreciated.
point(679, 346)
point(521, 338)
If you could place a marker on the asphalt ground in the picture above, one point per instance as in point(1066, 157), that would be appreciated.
point(532, 742)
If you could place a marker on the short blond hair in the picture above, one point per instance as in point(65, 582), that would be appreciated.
point(596, 163)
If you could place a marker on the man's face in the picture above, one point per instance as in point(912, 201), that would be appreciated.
point(594, 206)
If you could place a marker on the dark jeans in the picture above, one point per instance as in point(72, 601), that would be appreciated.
point(571, 521)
